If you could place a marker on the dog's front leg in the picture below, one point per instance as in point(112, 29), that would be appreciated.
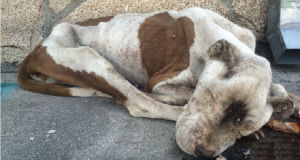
point(168, 99)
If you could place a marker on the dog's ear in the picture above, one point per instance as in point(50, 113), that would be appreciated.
point(280, 101)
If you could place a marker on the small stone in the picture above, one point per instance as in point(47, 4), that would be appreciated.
point(52, 131)
point(247, 153)
point(221, 158)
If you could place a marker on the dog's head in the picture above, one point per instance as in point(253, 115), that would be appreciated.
point(234, 97)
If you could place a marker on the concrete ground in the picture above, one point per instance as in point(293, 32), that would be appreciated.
point(36, 126)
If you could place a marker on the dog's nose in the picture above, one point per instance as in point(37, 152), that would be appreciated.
point(204, 152)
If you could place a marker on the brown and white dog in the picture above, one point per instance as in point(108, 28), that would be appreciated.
point(194, 58)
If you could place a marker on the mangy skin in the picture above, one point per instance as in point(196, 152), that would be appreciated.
point(230, 92)
point(222, 117)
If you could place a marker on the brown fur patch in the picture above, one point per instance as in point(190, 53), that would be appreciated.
point(165, 44)
point(94, 22)
point(159, 78)
point(42, 63)
point(27, 83)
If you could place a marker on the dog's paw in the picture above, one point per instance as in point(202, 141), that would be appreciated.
point(296, 100)
point(280, 101)
point(224, 50)
point(216, 49)
point(257, 134)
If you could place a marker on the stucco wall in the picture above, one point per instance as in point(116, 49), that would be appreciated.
point(24, 23)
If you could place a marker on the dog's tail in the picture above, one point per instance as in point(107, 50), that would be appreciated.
point(27, 83)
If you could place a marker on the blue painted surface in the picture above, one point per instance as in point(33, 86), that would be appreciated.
point(8, 89)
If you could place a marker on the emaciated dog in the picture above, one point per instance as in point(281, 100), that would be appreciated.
point(194, 58)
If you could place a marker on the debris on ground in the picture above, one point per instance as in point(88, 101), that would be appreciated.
point(221, 158)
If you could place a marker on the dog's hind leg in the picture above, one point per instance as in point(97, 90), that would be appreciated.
point(30, 79)
point(84, 67)
point(74, 91)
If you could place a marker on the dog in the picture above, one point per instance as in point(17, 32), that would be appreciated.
point(196, 68)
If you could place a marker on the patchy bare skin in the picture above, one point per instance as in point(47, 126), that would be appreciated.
point(201, 61)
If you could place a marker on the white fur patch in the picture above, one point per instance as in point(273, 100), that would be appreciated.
point(86, 92)
point(118, 43)
point(48, 80)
